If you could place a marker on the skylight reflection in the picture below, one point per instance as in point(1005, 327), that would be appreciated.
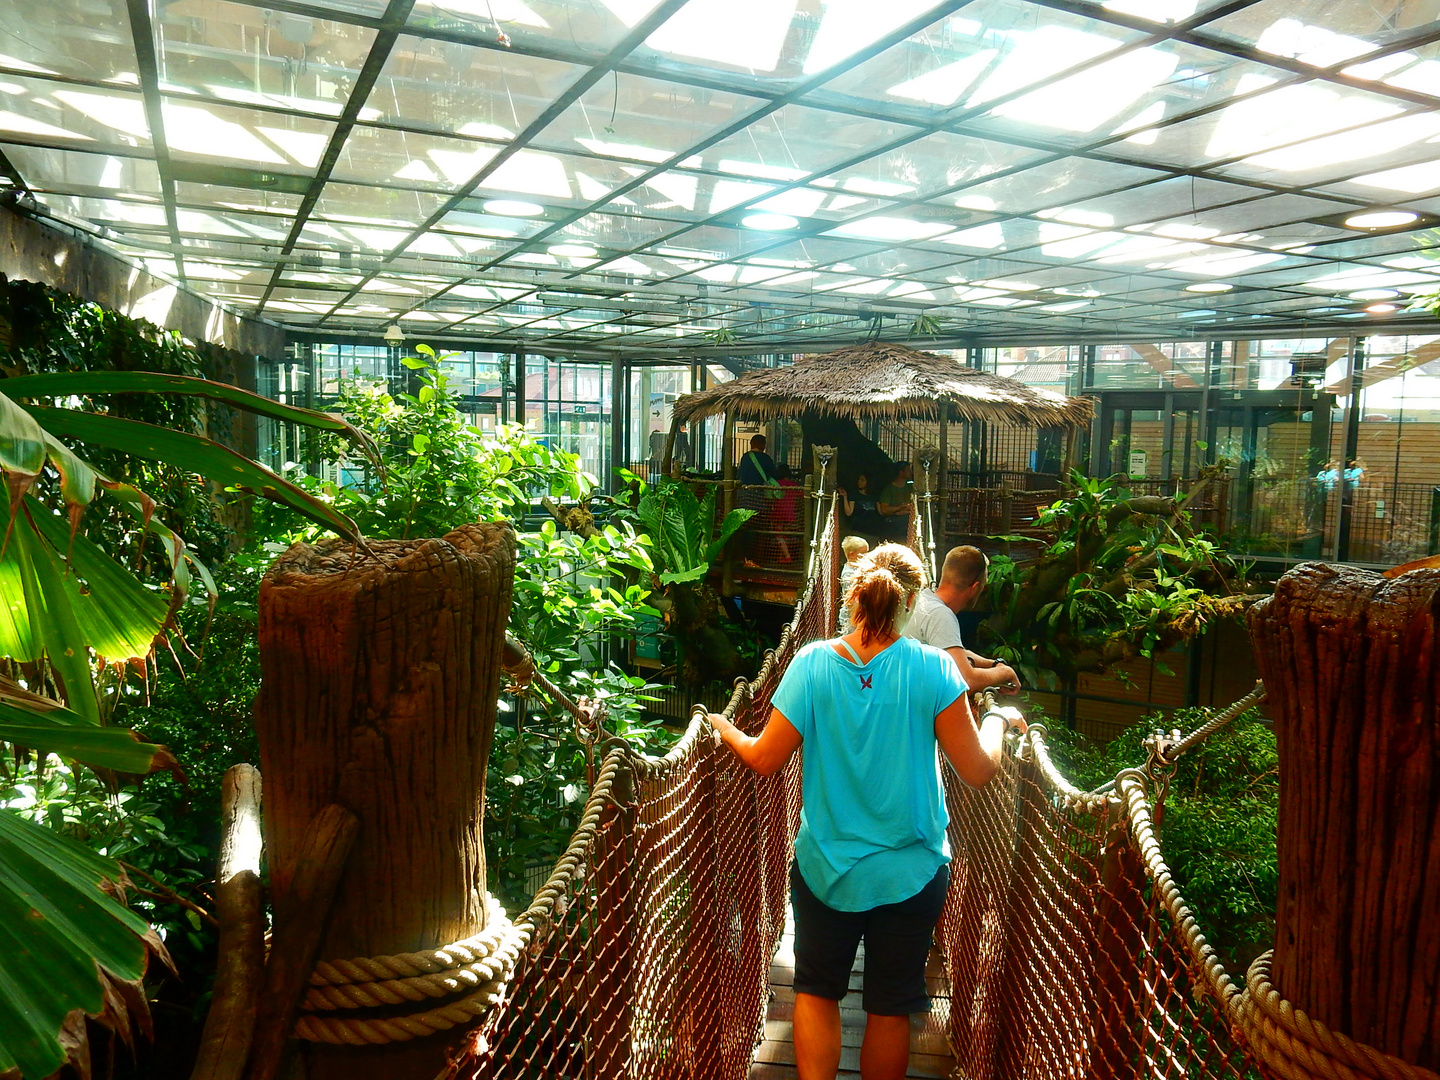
point(850, 25)
point(1038, 54)
point(1085, 101)
point(738, 33)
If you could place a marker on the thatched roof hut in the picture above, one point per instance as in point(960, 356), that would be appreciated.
point(877, 379)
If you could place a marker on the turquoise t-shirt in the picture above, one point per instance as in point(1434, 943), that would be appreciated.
point(872, 821)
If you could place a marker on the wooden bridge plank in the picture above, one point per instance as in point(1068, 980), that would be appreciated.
point(775, 1058)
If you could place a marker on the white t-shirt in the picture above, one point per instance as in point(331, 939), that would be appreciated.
point(933, 623)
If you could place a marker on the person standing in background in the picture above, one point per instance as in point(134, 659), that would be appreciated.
point(895, 503)
point(962, 583)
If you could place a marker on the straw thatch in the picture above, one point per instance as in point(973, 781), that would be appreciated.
point(883, 380)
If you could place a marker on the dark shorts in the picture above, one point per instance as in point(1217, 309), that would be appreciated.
point(897, 942)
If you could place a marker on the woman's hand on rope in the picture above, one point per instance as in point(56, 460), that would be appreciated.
point(765, 753)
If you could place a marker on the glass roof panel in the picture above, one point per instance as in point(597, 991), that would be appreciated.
point(1054, 183)
point(1319, 32)
point(370, 9)
point(1416, 69)
point(1180, 194)
point(642, 119)
point(1403, 142)
point(79, 39)
point(1124, 95)
point(222, 197)
point(376, 206)
point(986, 50)
point(254, 56)
point(84, 173)
point(937, 161)
point(591, 26)
point(797, 141)
point(614, 232)
point(1268, 120)
point(463, 90)
point(56, 112)
point(245, 137)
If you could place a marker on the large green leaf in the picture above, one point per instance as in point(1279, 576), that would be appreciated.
point(86, 383)
point(54, 626)
point(61, 609)
point(71, 737)
point(56, 925)
point(119, 617)
point(728, 528)
point(191, 453)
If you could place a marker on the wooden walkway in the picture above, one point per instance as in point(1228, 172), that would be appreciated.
point(775, 1059)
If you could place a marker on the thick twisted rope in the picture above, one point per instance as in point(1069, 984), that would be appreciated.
point(1089, 802)
point(484, 964)
point(1289, 1043)
point(1170, 751)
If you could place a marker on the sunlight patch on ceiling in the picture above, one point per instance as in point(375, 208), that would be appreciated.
point(738, 33)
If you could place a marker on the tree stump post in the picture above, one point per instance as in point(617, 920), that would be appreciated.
point(1352, 674)
point(380, 677)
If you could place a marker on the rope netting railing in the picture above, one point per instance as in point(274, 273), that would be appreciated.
point(647, 952)
point(1069, 950)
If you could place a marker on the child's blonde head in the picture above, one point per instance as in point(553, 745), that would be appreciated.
point(854, 547)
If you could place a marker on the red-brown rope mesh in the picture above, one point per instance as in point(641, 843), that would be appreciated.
point(654, 959)
point(649, 949)
point(1061, 963)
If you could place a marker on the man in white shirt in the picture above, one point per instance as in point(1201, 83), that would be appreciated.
point(962, 581)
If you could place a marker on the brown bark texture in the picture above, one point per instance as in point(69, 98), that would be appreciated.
point(240, 969)
point(380, 675)
point(299, 928)
point(1352, 675)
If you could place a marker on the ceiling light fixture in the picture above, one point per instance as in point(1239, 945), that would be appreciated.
point(1380, 309)
point(394, 336)
point(769, 222)
point(572, 251)
point(1374, 294)
point(1209, 287)
point(1380, 219)
point(513, 208)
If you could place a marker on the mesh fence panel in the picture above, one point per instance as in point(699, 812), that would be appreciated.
point(653, 962)
point(1061, 963)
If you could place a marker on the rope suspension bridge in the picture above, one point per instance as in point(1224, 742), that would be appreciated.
point(1068, 948)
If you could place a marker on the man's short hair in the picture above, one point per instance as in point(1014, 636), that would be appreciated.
point(852, 544)
point(964, 565)
point(757, 442)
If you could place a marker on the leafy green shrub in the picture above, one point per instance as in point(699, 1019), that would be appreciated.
point(1124, 576)
point(1218, 832)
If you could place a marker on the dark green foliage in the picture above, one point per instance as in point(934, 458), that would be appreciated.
point(42, 330)
point(1218, 832)
point(1124, 576)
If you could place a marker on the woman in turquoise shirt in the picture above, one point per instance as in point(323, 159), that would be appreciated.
point(871, 856)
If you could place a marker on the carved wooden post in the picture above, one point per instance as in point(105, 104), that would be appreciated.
point(1352, 672)
point(380, 675)
point(240, 969)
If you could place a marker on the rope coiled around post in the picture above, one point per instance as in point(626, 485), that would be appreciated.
point(1289, 1043)
point(483, 965)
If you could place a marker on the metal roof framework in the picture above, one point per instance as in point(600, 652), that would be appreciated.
point(654, 178)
